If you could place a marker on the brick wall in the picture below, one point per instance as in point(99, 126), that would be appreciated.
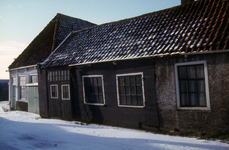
point(215, 119)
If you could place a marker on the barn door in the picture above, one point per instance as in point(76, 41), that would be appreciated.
point(13, 103)
point(33, 99)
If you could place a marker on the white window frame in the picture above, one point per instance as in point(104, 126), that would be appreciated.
point(63, 91)
point(206, 85)
point(84, 97)
point(51, 91)
point(143, 89)
point(30, 82)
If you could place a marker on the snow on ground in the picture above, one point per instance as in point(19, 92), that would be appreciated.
point(23, 130)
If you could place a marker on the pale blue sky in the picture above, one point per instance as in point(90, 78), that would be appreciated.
point(22, 20)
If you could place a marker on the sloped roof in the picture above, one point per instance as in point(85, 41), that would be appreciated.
point(48, 39)
point(197, 26)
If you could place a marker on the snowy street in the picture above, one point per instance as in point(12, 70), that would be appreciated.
point(23, 130)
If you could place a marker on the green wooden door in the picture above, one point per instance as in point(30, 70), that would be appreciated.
point(33, 99)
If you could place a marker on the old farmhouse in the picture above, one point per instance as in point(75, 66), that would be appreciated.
point(167, 69)
point(23, 84)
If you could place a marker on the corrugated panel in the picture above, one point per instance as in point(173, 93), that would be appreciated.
point(198, 26)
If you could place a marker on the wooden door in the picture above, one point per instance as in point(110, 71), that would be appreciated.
point(33, 99)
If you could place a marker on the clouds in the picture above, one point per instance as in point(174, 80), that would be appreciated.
point(8, 51)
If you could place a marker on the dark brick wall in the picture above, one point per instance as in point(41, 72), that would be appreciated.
point(215, 119)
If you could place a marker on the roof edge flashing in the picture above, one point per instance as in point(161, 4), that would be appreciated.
point(155, 55)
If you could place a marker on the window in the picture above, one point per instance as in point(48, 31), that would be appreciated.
point(14, 81)
point(65, 92)
point(93, 89)
point(58, 75)
point(192, 85)
point(22, 87)
point(49, 76)
point(130, 90)
point(33, 79)
point(54, 91)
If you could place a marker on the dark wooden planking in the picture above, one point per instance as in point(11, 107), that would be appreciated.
point(111, 113)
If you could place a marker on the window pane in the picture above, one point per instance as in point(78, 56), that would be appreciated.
point(184, 99)
point(95, 89)
point(68, 74)
point(138, 80)
point(99, 81)
point(193, 99)
point(200, 71)
point(183, 86)
point(192, 85)
point(202, 99)
point(121, 80)
point(126, 79)
point(34, 79)
point(139, 101)
point(100, 90)
point(94, 81)
point(134, 100)
point(54, 91)
point(132, 90)
point(201, 85)
point(128, 100)
point(22, 92)
point(139, 89)
point(191, 72)
point(100, 98)
point(65, 92)
point(22, 81)
point(122, 100)
point(132, 80)
point(127, 90)
point(182, 72)
point(121, 90)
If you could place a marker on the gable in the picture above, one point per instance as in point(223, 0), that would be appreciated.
point(48, 39)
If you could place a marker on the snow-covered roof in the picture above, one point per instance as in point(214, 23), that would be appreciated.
point(195, 27)
point(48, 39)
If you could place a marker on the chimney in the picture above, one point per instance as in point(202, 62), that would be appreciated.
point(183, 2)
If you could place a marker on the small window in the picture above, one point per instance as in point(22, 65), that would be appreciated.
point(65, 92)
point(22, 87)
point(33, 79)
point(130, 90)
point(54, 91)
point(50, 76)
point(192, 85)
point(93, 89)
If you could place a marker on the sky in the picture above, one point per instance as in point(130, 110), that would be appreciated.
point(22, 20)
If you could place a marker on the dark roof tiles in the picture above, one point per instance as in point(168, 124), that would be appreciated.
point(48, 39)
point(198, 26)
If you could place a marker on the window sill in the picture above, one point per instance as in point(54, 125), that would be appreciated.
point(32, 84)
point(193, 108)
point(96, 104)
point(131, 106)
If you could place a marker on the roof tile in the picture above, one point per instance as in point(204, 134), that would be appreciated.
point(198, 26)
